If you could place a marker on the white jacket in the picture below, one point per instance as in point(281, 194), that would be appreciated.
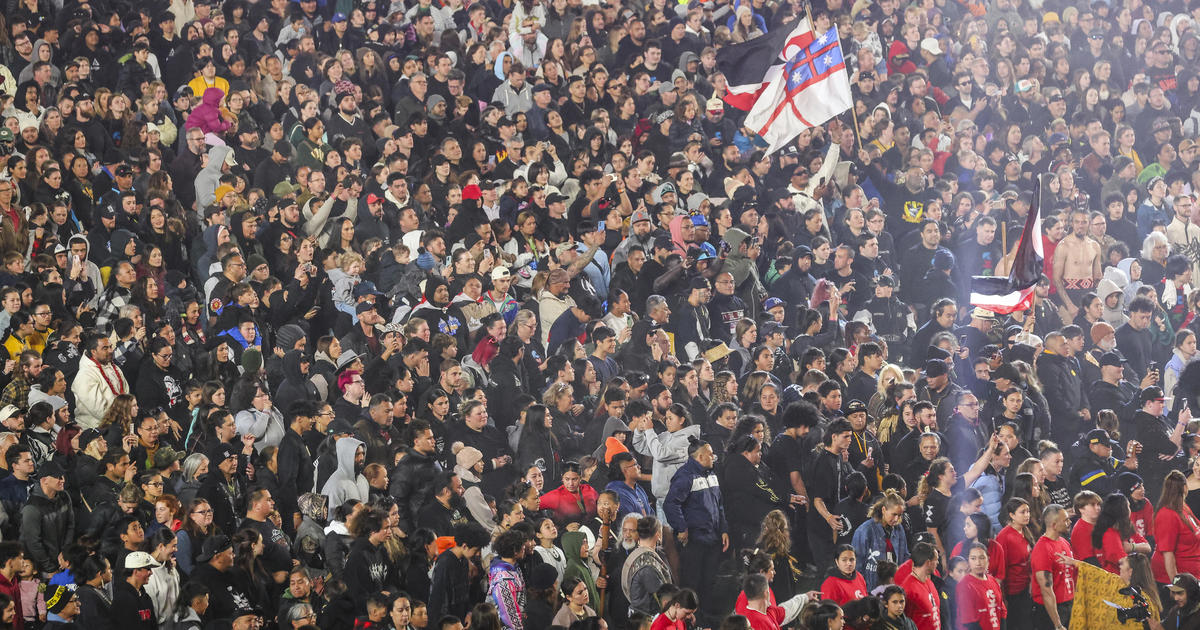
point(93, 396)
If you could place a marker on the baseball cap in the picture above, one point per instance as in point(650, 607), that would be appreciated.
point(715, 105)
point(338, 17)
point(639, 215)
point(1112, 359)
point(366, 287)
point(1151, 393)
point(1099, 436)
point(140, 560)
point(1006, 371)
point(373, 198)
point(500, 272)
point(855, 406)
point(222, 452)
point(772, 303)
point(772, 327)
point(1184, 582)
point(982, 313)
point(212, 546)
point(124, 170)
point(931, 46)
point(165, 456)
point(6, 135)
point(363, 307)
point(87, 437)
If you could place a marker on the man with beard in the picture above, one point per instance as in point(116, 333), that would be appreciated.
point(1077, 266)
point(346, 123)
point(225, 488)
point(347, 481)
point(249, 152)
point(1113, 392)
point(915, 262)
point(97, 383)
point(725, 309)
point(445, 511)
point(1059, 372)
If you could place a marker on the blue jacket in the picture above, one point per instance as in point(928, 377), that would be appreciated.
point(694, 504)
point(870, 541)
point(633, 500)
point(991, 486)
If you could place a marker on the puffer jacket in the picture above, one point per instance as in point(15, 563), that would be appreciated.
point(207, 115)
point(47, 527)
point(694, 504)
point(410, 483)
point(669, 451)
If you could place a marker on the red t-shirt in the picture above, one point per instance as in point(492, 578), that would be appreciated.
point(1178, 535)
point(841, 590)
point(1112, 549)
point(923, 604)
point(1143, 520)
point(772, 620)
point(1045, 558)
point(1081, 540)
point(996, 560)
point(1016, 560)
point(566, 506)
point(980, 601)
point(662, 623)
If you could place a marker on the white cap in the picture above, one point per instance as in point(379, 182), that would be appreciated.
point(140, 560)
point(931, 46)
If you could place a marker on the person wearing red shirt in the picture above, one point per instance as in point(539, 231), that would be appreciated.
point(1054, 591)
point(844, 583)
point(1017, 541)
point(572, 500)
point(1176, 533)
point(978, 528)
point(679, 611)
point(922, 601)
point(761, 564)
point(754, 604)
point(1113, 536)
point(1087, 506)
point(979, 597)
point(1141, 510)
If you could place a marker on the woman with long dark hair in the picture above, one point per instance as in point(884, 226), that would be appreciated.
point(538, 445)
point(1113, 536)
point(1176, 532)
point(1017, 540)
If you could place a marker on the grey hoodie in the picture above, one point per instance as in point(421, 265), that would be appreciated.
point(210, 177)
point(346, 483)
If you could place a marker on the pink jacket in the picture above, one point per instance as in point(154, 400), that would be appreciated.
point(207, 115)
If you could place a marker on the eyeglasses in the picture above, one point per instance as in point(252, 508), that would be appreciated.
point(166, 357)
point(156, 484)
point(202, 512)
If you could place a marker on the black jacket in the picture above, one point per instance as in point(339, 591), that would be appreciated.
point(1062, 382)
point(95, 608)
point(47, 527)
point(449, 592)
point(410, 485)
point(132, 609)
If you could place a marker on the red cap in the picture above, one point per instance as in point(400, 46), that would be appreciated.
point(373, 198)
point(472, 192)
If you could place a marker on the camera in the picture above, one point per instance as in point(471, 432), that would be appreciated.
point(1138, 611)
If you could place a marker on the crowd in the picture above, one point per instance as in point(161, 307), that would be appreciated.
point(370, 315)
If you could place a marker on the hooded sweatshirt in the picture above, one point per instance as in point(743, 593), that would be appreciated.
point(93, 271)
point(207, 115)
point(346, 482)
point(745, 273)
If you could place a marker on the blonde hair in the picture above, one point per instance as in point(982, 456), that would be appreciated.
point(774, 537)
point(349, 258)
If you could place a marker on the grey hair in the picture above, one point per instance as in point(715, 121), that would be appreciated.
point(192, 464)
point(299, 611)
point(655, 301)
point(1154, 239)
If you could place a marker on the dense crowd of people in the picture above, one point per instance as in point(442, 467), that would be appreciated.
point(367, 315)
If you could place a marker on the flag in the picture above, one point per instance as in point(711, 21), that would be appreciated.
point(808, 89)
point(746, 65)
point(1015, 293)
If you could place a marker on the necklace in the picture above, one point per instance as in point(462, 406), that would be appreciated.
point(108, 382)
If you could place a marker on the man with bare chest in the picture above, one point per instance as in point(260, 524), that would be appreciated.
point(1076, 263)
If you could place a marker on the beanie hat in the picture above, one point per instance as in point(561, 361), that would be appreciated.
point(57, 597)
point(254, 261)
point(252, 361)
point(612, 446)
point(288, 336)
point(1101, 330)
point(467, 457)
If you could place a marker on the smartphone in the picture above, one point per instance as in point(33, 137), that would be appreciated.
point(1153, 367)
point(600, 227)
